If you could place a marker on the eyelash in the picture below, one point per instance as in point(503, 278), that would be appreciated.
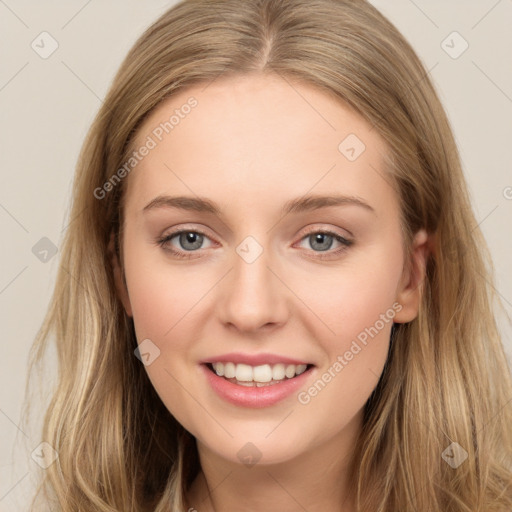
point(162, 242)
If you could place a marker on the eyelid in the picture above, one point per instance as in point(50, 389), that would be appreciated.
point(330, 254)
point(346, 242)
point(184, 229)
point(188, 229)
point(326, 230)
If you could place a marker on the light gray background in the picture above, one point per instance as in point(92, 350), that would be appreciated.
point(48, 104)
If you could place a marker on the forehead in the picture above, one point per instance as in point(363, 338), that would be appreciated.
point(248, 136)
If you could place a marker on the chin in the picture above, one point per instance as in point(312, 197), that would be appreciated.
point(273, 444)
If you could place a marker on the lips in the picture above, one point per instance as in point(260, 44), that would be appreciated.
point(254, 359)
point(255, 380)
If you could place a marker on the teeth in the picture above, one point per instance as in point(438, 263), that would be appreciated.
point(278, 372)
point(243, 373)
point(219, 369)
point(290, 371)
point(265, 373)
point(262, 373)
point(301, 368)
point(229, 370)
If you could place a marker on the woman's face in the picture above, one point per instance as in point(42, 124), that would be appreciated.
point(291, 255)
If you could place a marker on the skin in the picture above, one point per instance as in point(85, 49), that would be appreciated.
point(251, 144)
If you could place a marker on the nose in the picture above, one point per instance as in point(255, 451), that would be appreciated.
point(253, 295)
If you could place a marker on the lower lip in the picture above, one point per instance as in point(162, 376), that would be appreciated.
point(254, 396)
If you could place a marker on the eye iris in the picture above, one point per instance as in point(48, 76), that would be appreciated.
point(320, 239)
point(195, 239)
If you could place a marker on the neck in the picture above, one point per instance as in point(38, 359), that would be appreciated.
point(317, 480)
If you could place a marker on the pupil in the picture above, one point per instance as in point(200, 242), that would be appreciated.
point(194, 239)
point(320, 239)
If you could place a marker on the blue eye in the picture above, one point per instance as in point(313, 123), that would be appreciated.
point(190, 237)
point(321, 241)
point(190, 241)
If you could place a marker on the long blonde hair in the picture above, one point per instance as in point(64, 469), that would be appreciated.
point(446, 379)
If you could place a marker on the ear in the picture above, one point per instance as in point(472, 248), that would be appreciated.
point(410, 287)
point(121, 289)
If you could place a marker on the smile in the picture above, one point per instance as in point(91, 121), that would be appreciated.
point(264, 385)
point(259, 376)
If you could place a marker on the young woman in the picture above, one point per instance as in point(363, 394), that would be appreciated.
point(272, 296)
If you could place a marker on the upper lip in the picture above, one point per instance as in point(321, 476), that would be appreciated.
point(253, 359)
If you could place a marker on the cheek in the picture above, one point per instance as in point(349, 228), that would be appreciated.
point(158, 303)
point(161, 294)
point(350, 299)
point(164, 301)
point(357, 306)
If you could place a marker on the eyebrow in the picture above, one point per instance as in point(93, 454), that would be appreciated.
point(302, 204)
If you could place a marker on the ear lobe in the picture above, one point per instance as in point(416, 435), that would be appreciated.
point(410, 287)
point(122, 291)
